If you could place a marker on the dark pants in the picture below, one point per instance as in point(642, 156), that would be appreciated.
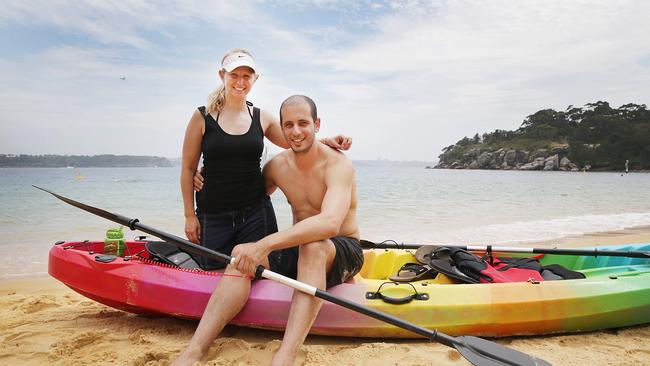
point(347, 263)
point(222, 230)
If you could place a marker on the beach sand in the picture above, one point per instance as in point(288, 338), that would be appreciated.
point(43, 322)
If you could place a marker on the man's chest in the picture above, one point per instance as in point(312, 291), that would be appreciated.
point(304, 192)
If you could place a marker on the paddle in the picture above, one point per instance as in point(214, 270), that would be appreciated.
point(476, 350)
point(390, 244)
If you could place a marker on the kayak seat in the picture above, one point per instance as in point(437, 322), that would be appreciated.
point(163, 252)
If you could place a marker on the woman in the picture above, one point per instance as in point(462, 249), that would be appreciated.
point(232, 207)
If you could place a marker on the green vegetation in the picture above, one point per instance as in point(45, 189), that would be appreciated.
point(596, 135)
point(81, 161)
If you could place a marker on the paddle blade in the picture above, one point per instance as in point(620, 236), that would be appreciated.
point(482, 352)
point(94, 210)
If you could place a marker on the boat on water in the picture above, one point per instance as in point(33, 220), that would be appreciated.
point(614, 293)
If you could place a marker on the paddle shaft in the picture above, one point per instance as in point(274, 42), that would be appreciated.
point(482, 248)
point(476, 350)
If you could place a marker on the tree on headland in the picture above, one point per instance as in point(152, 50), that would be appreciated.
point(596, 134)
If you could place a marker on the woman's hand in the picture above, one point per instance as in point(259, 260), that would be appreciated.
point(339, 142)
point(198, 180)
point(193, 229)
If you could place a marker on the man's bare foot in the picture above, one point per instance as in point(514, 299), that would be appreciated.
point(282, 358)
point(189, 357)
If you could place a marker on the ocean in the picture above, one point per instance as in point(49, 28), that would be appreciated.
point(399, 201)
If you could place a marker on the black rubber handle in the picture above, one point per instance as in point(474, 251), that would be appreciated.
point(397, 300)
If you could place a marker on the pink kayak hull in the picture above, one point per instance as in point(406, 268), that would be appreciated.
point(142, 286)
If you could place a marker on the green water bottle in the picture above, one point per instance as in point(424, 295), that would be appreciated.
point(114, 243)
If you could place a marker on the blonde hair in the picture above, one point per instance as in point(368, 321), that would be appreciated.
point(217, 99)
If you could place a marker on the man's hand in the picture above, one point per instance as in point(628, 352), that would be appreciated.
point(198, 180)
point(339, 142)
point(248, 256)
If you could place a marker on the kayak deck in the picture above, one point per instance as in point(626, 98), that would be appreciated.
point(615, 293)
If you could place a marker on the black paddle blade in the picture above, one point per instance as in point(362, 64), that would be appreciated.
point(134, 224)
point(94, 210)
point(482, 352)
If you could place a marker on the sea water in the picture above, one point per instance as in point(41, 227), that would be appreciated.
point(401, 201)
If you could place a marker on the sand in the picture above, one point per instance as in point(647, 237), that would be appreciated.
point(43, 322)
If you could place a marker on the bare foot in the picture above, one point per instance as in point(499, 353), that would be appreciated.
point(282, 359)
point(189, 357)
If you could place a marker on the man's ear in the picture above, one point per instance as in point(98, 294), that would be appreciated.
point(317, 124)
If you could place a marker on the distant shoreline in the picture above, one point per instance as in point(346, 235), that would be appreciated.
point(131, 161)
point(82, 161)
point(89, 166)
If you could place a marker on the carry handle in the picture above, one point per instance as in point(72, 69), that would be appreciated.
point(396, 300)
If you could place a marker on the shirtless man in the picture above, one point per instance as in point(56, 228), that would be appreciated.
point(321, 248)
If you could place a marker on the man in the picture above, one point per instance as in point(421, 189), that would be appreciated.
point(321, 248)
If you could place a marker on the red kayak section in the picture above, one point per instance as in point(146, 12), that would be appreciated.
point(136, 284)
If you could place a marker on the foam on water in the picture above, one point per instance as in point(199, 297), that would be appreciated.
point(549, 229)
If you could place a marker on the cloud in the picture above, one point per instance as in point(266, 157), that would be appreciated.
point(404, 78)
point(129, 23)
point(453, 69)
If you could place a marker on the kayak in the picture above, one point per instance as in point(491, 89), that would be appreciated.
point(614, 293)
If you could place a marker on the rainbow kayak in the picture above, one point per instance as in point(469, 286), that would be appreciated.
point(615, 293)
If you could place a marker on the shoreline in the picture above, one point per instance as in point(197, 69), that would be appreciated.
point(44, 322)
point(631, 235)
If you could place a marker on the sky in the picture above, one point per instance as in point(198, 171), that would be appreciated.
point(403, 78)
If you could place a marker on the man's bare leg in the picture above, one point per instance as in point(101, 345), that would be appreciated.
point(314, 261)
point(229, 297)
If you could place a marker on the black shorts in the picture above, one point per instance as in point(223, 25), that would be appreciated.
point(347, 263)
point(221, 230)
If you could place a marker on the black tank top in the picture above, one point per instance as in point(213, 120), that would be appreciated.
point(231, 166)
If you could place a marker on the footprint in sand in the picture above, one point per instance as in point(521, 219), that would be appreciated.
point(141, 336)
point(231, 351)
point(152, 359)
point(102, 314)
point(72, 300)
point(16, 336)
point(69, 345)
point(37, 304)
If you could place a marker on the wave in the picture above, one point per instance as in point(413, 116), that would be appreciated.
point(536, 230)
point(503, 233)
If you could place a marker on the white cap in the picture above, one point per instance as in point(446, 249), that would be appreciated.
point(236, 60)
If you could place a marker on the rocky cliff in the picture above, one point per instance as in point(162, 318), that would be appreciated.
point(510, 159)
